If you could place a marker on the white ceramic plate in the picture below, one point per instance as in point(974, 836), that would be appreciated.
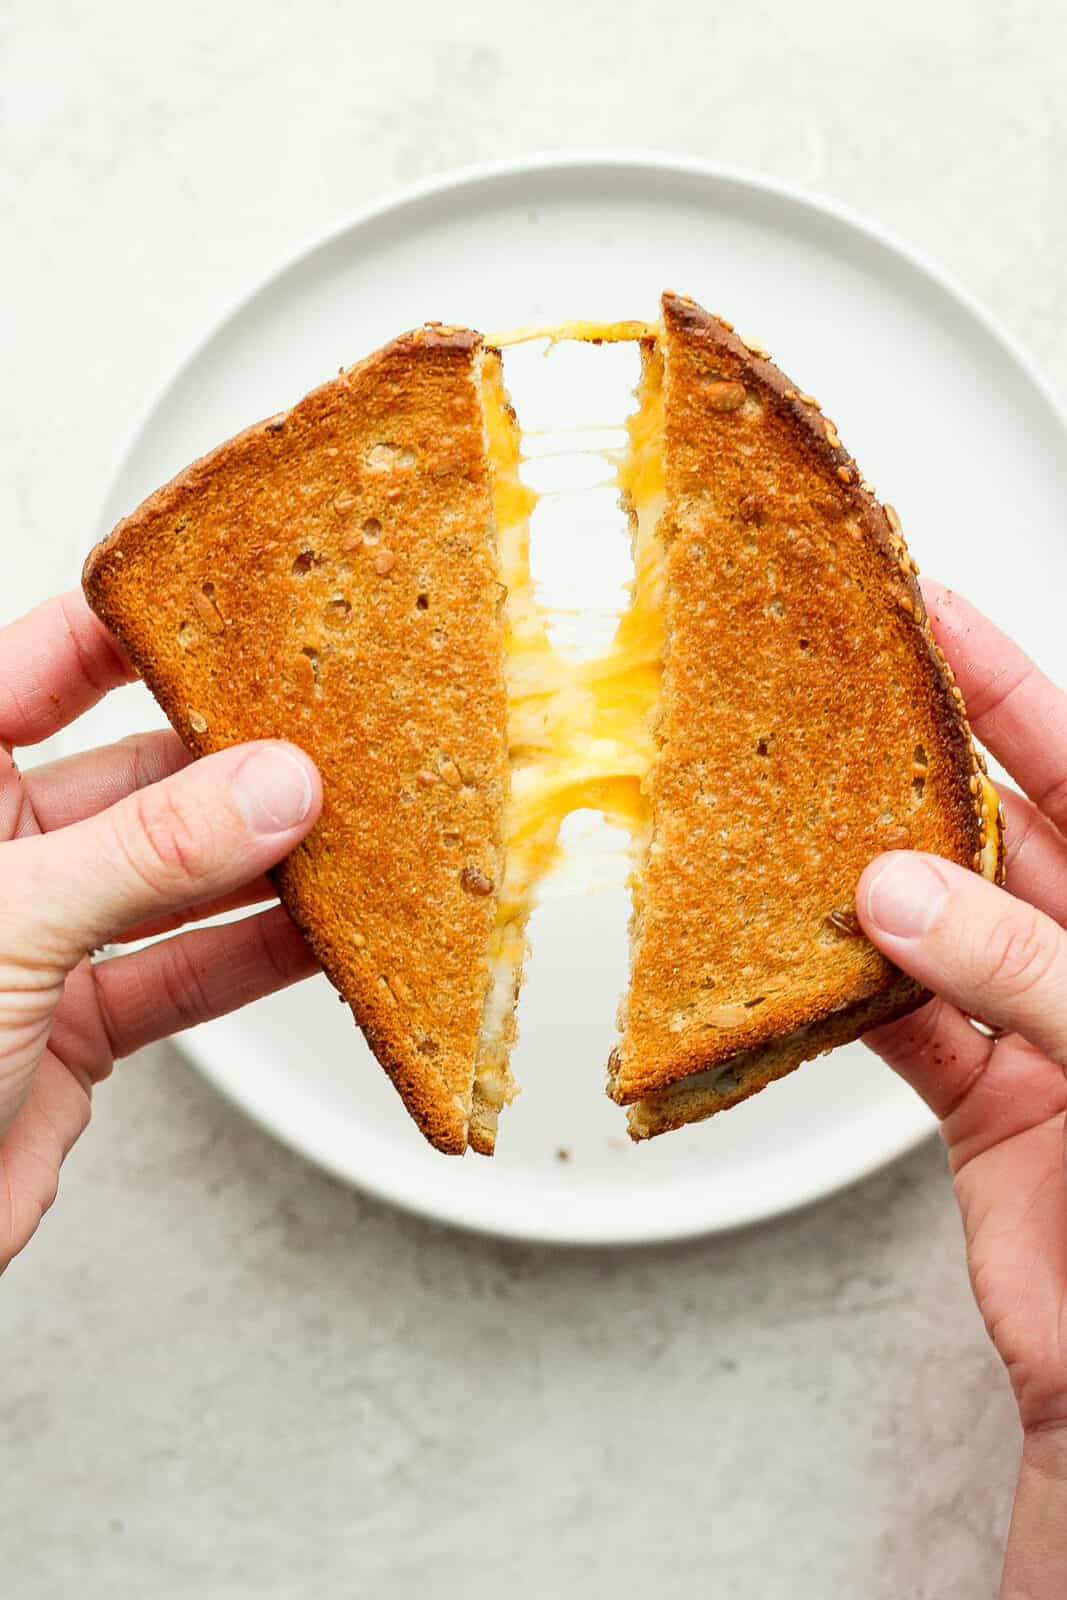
point(945, 416)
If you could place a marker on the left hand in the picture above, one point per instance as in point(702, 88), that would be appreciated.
point(119, 844)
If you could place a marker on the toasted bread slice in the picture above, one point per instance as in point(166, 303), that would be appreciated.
point(807, 721)
point(330, 576)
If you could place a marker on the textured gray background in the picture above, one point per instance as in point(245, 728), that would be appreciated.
point(222, 1373)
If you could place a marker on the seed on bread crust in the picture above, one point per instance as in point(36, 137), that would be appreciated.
point(475, 881)
point(307, 672)
point(208, 612)
point(725, 396)
point(726, 1016)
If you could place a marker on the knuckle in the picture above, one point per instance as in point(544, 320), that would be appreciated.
point(1022, 831)
point(141, 772)
point(160, 842)
point(281, 946)
point(149, 759)
point(74, 623)
point(918, 1029)
point(272, 946)
point(1053, 803)
point(1020, 954)
point(183, 987)
point(112, 1037)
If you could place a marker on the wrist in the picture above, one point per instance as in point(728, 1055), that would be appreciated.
point(1036, 1557)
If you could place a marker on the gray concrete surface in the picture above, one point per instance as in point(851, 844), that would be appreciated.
point(225, 1375)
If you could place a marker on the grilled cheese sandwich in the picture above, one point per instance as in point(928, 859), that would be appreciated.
point(770, 712)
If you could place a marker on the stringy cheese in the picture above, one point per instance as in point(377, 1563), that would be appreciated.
point(579, 732)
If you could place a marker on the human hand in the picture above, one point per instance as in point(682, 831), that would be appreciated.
point(999, 955)
point(114, 845)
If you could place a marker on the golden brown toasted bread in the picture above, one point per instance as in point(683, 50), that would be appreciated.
point(330, 576)
point(354, 575)
point(807, 721)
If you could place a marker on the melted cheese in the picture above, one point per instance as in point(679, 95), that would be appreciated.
point(579, 732)
point(586, 332)
point(991, 823)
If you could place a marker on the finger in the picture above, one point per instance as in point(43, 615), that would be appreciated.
point(181, 982)
point(257, 893)
point(1035, 855)
point(67, 791)
point(55, 663)
point(935, 1050)
point(52, 1116)
point(17, 819)
point(62, 792)
point(1020, 1089)
point(191, 839)
point(991, 955)
point(1013, 708)
point(982, 1091)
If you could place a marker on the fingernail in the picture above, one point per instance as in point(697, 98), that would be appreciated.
point(906, 895)
point(272, 791)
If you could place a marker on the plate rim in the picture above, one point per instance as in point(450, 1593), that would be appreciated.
point(544, 163)
point(458, 1208)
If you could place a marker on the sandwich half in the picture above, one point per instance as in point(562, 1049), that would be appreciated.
point(330, 576)
point(354, 575)
point(806, 721)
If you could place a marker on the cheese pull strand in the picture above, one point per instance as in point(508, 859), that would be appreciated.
point(579, 732)
point(581, 332)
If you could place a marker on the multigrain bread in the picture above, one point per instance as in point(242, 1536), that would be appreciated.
point(329, 576)
point(354, 575)
point(807, 721)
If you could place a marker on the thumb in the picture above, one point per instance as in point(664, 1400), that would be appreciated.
point(192, 837)
point(995, 957)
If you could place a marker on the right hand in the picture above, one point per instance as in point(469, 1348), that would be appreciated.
point(999, 955)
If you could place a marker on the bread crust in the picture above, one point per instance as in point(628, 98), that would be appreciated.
point(329, 576)
point(797, 635)
point(701, 1095)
